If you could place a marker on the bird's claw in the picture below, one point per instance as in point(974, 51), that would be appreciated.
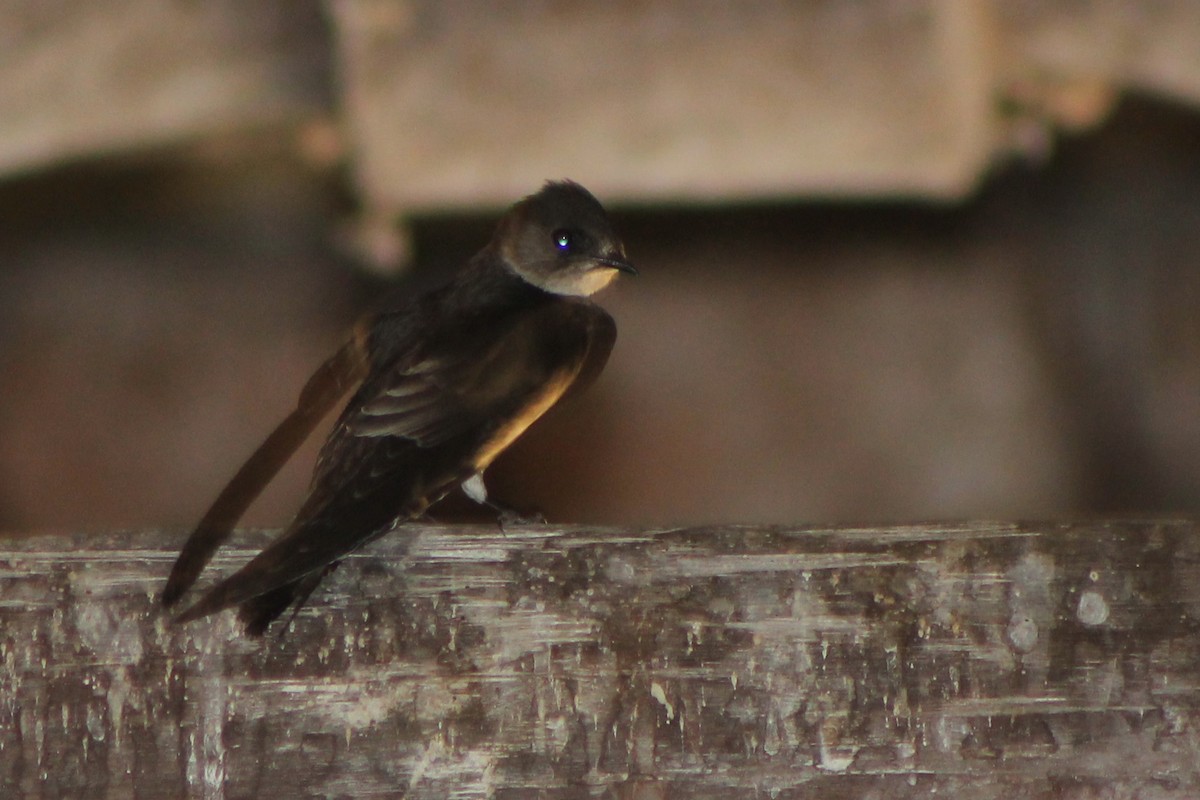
point(508, 517)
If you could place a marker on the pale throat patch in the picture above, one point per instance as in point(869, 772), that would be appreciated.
point(575, 284)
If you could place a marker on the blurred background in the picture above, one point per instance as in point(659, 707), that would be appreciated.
point(901, 259)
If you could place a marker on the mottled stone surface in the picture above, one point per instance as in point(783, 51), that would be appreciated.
point(977, 660)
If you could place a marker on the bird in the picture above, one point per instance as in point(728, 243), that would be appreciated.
point(442, 384)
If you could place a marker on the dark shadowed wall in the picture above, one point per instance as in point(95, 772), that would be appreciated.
point(1032, 351)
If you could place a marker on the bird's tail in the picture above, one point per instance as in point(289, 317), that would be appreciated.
point(257, 613)
point(331, 382)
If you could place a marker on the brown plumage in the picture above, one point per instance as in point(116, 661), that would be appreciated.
point(446, 383)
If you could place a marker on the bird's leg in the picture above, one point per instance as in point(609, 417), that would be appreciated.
point(505, 515)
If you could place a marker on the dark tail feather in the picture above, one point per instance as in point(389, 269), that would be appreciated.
point(258, 613)
point(322, 391)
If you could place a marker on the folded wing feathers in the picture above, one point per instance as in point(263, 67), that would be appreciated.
point(415, 408)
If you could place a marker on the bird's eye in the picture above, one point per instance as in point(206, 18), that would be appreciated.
point(564, 241)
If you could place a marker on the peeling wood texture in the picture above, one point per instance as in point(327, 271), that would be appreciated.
point(974, 661)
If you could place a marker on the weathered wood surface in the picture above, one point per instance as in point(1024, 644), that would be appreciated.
point(460, 103)
point(974, 661)
point(80, 79)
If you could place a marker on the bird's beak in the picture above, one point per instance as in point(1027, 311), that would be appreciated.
point(619, 264)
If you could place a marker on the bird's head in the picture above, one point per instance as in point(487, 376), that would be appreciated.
point(562, 241)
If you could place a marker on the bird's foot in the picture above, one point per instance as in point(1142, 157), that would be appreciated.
point(506, 515)
point(510, 517)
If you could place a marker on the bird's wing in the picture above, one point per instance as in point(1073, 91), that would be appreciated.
point(420, 402)
point(330, 382)
point(414, 429)
point(602, 337)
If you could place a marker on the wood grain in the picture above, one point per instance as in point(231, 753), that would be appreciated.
point(971, 661)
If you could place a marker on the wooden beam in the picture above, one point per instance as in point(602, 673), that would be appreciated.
point(974, 661)
point(78, 80)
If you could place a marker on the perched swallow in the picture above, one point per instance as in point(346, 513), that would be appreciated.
point(445, 384)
